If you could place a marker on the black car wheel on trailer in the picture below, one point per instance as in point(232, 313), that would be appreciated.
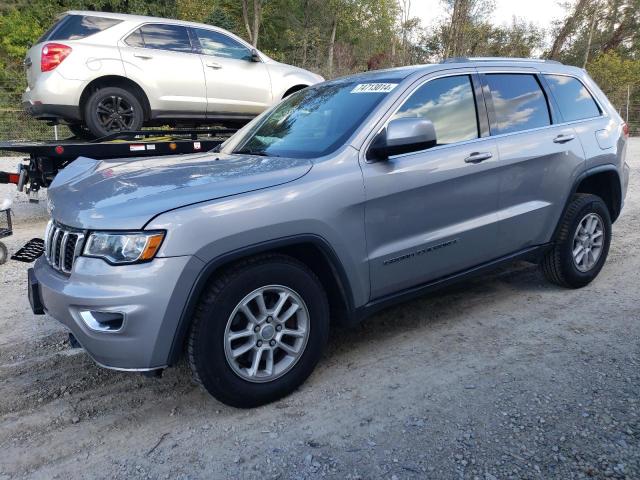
point(112, 109)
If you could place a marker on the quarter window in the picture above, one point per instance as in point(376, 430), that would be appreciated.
point(165, 37)
point(220, 45)
point(135, 39)
point(518, 101)
point(449, 104)
point(574, 100)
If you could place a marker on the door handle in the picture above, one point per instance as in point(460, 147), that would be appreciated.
point(214, 65)
point(477, 157)
point(144, 56)
point(563, 138)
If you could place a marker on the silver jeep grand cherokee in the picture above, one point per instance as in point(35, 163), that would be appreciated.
point(346, 197)
point(107, 72)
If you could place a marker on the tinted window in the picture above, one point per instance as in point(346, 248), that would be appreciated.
point(449, 104)
point(166, 37)
point(219, 45)
point(574, 100)
point(74, 27)
point(48, 33)
point(135, 39)
point(518, 101)
point(313, 122)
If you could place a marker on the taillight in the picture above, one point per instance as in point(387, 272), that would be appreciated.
point(52, 55)
point(625, 129)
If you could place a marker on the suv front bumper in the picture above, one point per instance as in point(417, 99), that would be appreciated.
point(148, 297)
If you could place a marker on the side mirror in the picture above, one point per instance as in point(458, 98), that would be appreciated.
point(402, 135)
point(255, 56)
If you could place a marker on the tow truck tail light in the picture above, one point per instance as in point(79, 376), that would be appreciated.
point(52, 55)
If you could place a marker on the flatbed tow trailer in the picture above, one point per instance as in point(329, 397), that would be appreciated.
point(46, 158)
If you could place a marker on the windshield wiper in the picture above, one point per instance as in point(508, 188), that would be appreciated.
point(259, 153)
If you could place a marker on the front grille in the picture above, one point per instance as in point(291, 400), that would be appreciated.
point(62, 245)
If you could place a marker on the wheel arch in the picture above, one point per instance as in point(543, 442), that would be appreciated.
point(603, 181)
point(116, 81)
point(312, 250)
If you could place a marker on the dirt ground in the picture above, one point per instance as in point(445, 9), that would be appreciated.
point(505, 376)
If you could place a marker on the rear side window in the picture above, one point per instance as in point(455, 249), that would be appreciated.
point(163, 37)
point(449, 104)
point(75, 27)
point(219, 45)
point(573, 99)
point(135, 39)
point(518, 101)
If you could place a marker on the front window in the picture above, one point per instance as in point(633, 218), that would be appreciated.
point(449, 104)
point(313, 122)
point(219, 45)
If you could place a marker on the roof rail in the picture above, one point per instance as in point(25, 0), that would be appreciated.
point(496, 59)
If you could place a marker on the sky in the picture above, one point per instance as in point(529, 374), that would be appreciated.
point(540, 12)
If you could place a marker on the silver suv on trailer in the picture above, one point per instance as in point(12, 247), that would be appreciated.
point(107, 72)
point(344, 198)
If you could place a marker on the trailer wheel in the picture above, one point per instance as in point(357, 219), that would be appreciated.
point(113, 109)
point(4, 253)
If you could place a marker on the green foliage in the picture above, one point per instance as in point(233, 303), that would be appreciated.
point(615, 74)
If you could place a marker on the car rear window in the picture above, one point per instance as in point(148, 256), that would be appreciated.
point(518, 101)
point(75, 27)
point(573, 99)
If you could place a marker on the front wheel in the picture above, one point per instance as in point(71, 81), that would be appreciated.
point(582, 244)
point(112, 109)
point(258, 331)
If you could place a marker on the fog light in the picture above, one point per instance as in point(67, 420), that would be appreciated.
point(102, 321)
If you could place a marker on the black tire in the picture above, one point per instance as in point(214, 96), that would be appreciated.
point(205, 348)
point(558, 265)
point(80, 131)
point(126, 111)
point(4, 253)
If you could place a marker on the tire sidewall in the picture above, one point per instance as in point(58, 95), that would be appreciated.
point(90, 115)
point(573, 275)
point(213, 369)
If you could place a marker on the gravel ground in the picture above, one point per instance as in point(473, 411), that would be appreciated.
point(502, 377)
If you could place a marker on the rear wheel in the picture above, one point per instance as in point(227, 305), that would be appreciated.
point(582, 245)
point(112, 109)
point(259, 331)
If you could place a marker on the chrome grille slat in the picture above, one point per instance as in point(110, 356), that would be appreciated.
point(62, 246)
point(63, 249)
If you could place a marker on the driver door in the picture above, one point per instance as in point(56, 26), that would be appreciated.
point(236, 85)
point(432, 213)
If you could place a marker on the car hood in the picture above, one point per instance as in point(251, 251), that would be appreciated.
point(126, 194)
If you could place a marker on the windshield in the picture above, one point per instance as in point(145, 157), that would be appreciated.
point(315, 121)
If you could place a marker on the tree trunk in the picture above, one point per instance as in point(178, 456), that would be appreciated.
point(590, 37)
point(245, 17)
point(567, 29)
point(332, 42)
point(257, 14)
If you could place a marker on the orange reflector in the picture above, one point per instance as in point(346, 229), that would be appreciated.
point(153, 244)
point(59, 149)
point(172, 146)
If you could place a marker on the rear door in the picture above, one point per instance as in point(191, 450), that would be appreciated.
point(539, 155)
point(432, 213)
point(161, 59)
point(236, 85)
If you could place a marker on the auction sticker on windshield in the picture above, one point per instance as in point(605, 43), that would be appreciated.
point(374, 87)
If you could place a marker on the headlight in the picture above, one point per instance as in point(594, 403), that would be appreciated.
point(123, 248)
